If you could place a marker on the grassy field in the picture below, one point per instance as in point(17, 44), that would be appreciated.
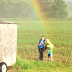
point(29, 33)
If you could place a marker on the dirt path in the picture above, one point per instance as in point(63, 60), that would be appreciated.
point(12, 70)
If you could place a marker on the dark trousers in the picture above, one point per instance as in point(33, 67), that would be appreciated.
point(40, 53)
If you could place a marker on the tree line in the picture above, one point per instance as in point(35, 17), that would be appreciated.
point(54, 8)
point(20, 8)
point(15, 8)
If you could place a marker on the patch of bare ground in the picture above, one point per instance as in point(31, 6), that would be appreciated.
point(12, 70)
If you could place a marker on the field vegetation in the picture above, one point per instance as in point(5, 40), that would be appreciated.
point(29, 33)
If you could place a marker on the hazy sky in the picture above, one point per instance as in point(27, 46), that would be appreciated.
point(64, 0)
point(68, 0)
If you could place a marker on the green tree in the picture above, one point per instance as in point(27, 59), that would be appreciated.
point(58, 9)
point(15, 8)
point(20, 8)
point(3, 9)
point(45, 7)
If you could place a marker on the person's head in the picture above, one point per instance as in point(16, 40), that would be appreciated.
point(42, 38)
point(47, 40)
point(47, 45)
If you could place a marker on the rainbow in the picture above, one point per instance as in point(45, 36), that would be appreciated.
point(36, 8)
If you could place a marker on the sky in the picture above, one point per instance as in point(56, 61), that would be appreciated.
point(64, 0)
point(68, 0)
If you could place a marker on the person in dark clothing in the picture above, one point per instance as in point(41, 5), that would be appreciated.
point(41, 48)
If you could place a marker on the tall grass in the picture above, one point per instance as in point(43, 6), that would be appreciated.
point(31, 64)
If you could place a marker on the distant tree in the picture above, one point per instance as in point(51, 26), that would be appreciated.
point(15, 8)
point(3, 9)
point(20, 8)
point(58, 9)
point(45, 6)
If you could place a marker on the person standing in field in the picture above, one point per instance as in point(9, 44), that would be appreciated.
point(49, 46)
point(50, 53)
point(41, 48)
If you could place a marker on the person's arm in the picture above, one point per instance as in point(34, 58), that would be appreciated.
point(40, 43)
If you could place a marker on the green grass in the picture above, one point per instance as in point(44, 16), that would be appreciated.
point(29, 33)
point(28, 65)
